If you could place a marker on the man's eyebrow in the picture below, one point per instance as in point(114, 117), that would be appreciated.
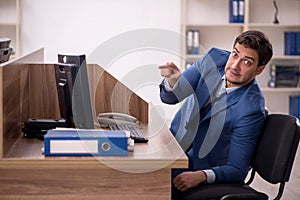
point(236, 50)
point(248, 57)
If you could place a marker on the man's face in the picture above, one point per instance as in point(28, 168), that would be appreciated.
point(242, 66)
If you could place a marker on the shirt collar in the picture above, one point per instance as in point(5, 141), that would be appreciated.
point(228, 90)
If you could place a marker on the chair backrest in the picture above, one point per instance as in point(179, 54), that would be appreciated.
point(277, 148)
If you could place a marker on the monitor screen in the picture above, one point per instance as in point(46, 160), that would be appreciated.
point(73, 91)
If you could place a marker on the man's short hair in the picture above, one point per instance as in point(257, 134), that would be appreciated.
point(258, 41)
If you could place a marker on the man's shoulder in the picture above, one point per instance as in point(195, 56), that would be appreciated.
point(217, 56)
point(218, 52)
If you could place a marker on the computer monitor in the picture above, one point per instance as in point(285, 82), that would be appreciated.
point(73, 91)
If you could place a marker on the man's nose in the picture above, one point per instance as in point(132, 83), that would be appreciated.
point(236, 64)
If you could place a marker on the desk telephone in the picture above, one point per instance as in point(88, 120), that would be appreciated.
point(119, 121)
point(116, 118)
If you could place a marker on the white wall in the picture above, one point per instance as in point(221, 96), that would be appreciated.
point(77, 26)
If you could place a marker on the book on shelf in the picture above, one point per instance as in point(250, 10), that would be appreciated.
point(294, 105)
point(292, 43)
point(284, 76)
point(236, 11)
point(192, 41)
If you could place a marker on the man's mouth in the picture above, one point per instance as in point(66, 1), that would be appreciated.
point(233, 72)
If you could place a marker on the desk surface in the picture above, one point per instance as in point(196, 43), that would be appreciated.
point(162, 150)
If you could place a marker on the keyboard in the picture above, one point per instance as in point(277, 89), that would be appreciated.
point(135, 132)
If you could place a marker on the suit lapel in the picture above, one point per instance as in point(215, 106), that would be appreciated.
point(226, 101)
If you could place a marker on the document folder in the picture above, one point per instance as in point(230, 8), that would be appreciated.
point(83, 142)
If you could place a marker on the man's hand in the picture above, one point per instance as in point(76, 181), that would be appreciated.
point(187, 180)
point(171, 72)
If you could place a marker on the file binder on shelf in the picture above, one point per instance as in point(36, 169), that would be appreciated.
point(241, 11)
point(189, 41)
point(236, 11)
point(85, 142)
point(292, 43)
point(233, 11)
point(294, 105)
point(297, 43)
point(196, 41)
point(192, 42)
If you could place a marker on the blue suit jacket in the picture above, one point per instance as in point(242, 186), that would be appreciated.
point(225, 138)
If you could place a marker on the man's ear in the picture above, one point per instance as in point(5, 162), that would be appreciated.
point(260, 69)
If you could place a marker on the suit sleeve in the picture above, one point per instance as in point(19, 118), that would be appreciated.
point(191, 77)
point(186, 85)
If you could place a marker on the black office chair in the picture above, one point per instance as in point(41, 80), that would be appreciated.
point(273, 161)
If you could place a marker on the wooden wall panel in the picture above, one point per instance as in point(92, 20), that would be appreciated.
point(13, 108)
point(110, 95)
point(43, 96)
point(15, 98)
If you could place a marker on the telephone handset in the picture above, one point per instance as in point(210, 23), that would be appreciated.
point(116, 118)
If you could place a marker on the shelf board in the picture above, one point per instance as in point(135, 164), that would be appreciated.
point(270, 25)
point(8, 24)
point(276, 90)
point(264, 25)
point(283, 57)
point(245, 24)
point(216, 25)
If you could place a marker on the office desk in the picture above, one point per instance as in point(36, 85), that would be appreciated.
point(145, 173)
point(26, 174)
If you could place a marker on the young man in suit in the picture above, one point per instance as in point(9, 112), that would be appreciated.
point(220, 120)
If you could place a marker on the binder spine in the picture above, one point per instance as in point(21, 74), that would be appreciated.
point(294, 105)
point(192, 41)
point(290, 43)
point(241, 11)
point(189, 41)
point(233, 11)
point(297, 43)
point(196, 38)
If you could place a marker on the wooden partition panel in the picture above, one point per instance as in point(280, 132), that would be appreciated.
point(110, 95)
point(15, 98)
point(107, 94)
point(43, 96)
point(15, 102)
